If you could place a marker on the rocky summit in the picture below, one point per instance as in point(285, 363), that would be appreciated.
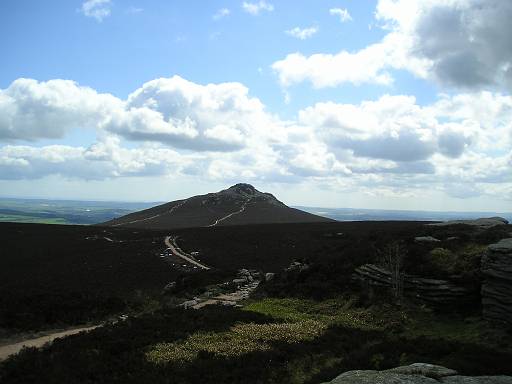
point(418, 373)
point(236, 205)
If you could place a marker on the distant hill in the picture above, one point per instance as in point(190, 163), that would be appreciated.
point(358, 214)
point(237, 205)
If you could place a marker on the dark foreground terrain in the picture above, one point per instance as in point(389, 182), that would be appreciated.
point(305, 325)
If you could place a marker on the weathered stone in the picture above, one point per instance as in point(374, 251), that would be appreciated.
point(503, 246)
point(482, 222)
point(297, 266)
point(432, 291)
point(418, 373)
point(477, 380)
point(269, 276)
point(426, 239)
point(428, 370)
point(497, 285)
point(169, 287)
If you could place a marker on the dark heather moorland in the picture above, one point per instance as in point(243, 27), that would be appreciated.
point(307, 324)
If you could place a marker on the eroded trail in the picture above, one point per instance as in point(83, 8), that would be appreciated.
point(169, 242)
point(231, 214)
point(169, 212)
point(10, 349)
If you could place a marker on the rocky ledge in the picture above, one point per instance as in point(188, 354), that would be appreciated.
point(418, 373)
point(431, 291)
point(497, 284)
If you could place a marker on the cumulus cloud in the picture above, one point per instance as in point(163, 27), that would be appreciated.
point(174, 111)
point(257, 7)
point(219, 117)
point(97, 9)
point(302, 33)
point(102, 160)
point(342, 13)
point(458, 43)
point(328, 70)
point(32, 110)
point(172, 126)
point(392, 128)
point(465, 42)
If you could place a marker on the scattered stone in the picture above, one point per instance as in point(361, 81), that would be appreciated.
point(418, 373)
point(269, 276)
point(497, 285)
point(426, 239)
point(170, 286)
point(189, 304)
point(297, 266)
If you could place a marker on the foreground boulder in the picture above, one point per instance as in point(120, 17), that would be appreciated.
point(418, 373)
point(430, 291)
point(497, 284)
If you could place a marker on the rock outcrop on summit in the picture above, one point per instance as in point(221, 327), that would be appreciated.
point(237, 205)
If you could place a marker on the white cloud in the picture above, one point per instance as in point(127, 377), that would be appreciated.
point(458, 43)
point(103, 160)
point(302, 33)
point(218, 132)
point(464, 41)
point(31, 110)
point(342, 13)
point(179, 113)
point(221, 13)
point(327, 70)
point(256, 7)
point(97, 9)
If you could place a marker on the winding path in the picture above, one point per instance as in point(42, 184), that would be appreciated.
point(10, 349)
point(231, 214)
point(169, 242)
point(170, 211)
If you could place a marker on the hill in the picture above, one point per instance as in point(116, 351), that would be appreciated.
point(237, 205)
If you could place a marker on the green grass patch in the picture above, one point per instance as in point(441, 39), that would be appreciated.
point(30, 219)
point(239, 340)
point(338, 311)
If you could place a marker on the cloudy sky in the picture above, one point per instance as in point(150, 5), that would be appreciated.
point(398, 104)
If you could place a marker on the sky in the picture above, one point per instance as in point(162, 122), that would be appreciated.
point(390, 104)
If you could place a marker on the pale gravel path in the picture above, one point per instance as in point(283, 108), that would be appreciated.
point(10, 349)
point(176, 252)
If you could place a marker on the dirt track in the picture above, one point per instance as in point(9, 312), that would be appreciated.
point(176, 252)
point(11, 349)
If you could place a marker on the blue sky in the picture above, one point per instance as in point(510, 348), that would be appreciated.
point(379, 104)
point(142, 41)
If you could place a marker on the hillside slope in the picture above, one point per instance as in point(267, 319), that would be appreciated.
point(237, 205)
